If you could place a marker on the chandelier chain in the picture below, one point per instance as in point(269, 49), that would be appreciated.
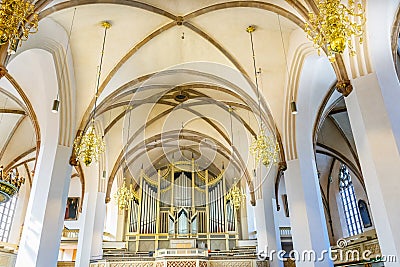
point(250, 30)
point(230, 116)
point(284, 48)
point(106, 27)
point(67, 49)
point(264, 148)
point(90, 146)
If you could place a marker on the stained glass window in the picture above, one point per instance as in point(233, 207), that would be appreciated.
point(7, 210)
point(349, 202)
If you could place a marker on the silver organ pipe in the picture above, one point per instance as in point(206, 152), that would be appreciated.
point(217, 209)
point(228, 216)
point(221, 206)
point(133, 216)
point(149, 206)
point(154, 212)
point(217, 204)
point(215, 218)
point(210, 215)
point(146, 231)
point(230, 213)
point(144, 209)
point(148, 209)
point(213, 211)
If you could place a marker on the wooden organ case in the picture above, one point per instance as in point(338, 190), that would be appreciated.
point(192, 206)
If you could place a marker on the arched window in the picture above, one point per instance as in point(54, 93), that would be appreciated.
point(349, 202)
point(7, 210)
point(366, 219)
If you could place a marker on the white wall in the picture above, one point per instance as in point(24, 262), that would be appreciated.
point(282, 220)
point(20, 211)
point(75, 190)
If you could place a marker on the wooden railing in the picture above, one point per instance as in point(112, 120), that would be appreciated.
point(65, 264)
point(68, 234)
point(72, 234)
point(7, 256)
point(362, 248)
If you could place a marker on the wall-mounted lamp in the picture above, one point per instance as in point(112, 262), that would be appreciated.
point(293, 107)
point(56, 106)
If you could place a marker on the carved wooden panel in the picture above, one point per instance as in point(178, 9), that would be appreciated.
point(262, 263)
point(231, 264)
point(289, 263)
point(132, 264)
point(181, 263)
point(374, 248)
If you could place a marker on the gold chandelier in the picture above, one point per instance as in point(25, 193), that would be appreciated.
point(264, 148)
point(235, 196)
point(10, 184)
point(335, 26)
point(17, 20)
point(124, 195)
point(89, 146)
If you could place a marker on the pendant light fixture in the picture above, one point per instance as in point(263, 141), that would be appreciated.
point(89, 146)
point(264, 148)
point(293, 107)
point(18, 20)
point(234, 195)
point(334, 26)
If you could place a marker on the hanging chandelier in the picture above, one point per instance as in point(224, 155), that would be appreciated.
point(335, 26)
point(10, 183)
point(124, 195)
point(235, 196)
point(264, 148)
point(89, 146)
point(17, 20)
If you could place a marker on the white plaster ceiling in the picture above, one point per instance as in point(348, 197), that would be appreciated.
point(167, 50)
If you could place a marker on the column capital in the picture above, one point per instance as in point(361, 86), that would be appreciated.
point(3, 71)
point(344, 87)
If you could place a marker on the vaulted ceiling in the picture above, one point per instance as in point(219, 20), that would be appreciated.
point(155, 51)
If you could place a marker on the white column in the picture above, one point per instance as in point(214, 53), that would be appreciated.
point(244, 221)
point(268, 238)
point(309, 230)
point(44, 219)
point(379, 158)
point(93, 215)
point(121, 226)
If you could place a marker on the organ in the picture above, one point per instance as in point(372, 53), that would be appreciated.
point(181, 202)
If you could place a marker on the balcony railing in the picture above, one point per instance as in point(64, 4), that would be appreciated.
point(70, 234)
point(285, 231)
point(362, 248)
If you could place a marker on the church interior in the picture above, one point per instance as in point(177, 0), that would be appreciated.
point(199, 133)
